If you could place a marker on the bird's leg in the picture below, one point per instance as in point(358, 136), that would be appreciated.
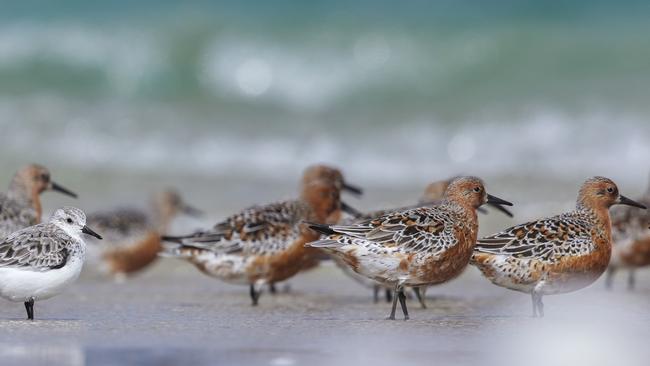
point(540, 306)
point(402, 302)
point(534, 299)
point(254, 295)
point(609, 277)
point(389, 295)
point(375, 293)
point(631, 281)
point(29, 306)
point(418, 294)
point(272, 289)
point(392, 312)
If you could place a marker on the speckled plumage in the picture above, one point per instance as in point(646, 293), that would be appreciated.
point(262, 244)
point(15, 213)
point(555, 255)
point(420, 246)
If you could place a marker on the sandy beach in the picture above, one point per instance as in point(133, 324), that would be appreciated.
point(174, 315)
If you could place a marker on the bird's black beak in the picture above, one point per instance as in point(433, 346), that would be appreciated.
point(58, 188)
point(626, 201)
point(87, 230)
point(352, 189)
point(352, 211)
point(502, 209)
point(192, 211)
point(496, 201)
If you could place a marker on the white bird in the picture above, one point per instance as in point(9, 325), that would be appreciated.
point(40, 261)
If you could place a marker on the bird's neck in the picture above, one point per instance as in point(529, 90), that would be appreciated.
point(465, 210)
point(601, 221)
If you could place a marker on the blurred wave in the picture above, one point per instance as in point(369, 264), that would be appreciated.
point(443, 86)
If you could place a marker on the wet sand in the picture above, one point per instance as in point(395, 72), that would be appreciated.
point(172, 314)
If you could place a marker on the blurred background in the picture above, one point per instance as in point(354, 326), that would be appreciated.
point(230, 100)
point(220, 97)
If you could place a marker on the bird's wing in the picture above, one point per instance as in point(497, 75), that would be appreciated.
point(423, 229)
point(546, 240)
point(41, 247)
point(14, 217)
point(257, 230)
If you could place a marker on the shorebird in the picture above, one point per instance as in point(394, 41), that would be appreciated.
point(20, 206)
point(40, 261)
point(433, 195)
point(631, 246)
point(262, 244)
point(416, 247)
point(560, 254)
point(132, 236)
point(333, 175)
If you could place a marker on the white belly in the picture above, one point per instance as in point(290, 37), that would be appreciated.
point(226, 267)
point(18, 284)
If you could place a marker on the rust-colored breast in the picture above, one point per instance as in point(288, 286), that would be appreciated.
point(134, 257)
point(577, 272)
point(638, 254)
point(450, 264)
point(285, 264)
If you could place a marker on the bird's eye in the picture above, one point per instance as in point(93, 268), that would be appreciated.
point(69, 220)
point(610, 190)
point(477, 189)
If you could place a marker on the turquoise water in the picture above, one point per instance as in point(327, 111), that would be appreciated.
point(393, 92)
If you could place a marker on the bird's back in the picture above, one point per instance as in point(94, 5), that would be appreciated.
point(15, 215)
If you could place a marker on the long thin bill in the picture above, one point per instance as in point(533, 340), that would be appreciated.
point(493, 200)
point(502, 209)
point(87, 230)
point(352, 189)
point(59, 188)
point(626, 201)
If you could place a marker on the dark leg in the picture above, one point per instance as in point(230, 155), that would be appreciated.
point(631, 281)
point(418, 294)
point(392, 312)
point(375, 294)
point(272, 289)
point(254, 295)
point(402, 302)
point(389, 295)
point(29, 306)
point(609, 277)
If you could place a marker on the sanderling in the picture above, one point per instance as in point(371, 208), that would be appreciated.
point(38, 262)
point(560, 254)
point(132, 236)
point(631, 240)
point(262, 244)
point(21, 206)
point(416, 247)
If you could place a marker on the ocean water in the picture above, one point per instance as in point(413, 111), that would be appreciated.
point(396, 94)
